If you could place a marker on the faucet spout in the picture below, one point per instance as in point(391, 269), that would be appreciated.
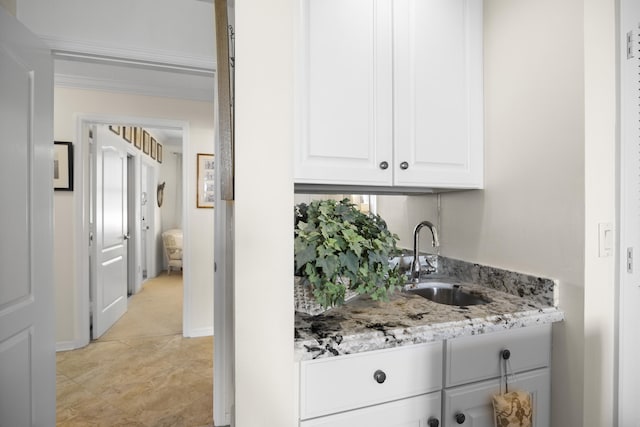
point(415, 265)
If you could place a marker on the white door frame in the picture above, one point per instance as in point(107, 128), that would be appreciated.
point(81, 208)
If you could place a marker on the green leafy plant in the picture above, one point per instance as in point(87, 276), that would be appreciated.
point(338, 247)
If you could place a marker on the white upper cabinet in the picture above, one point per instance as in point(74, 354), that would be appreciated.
point(389, 93)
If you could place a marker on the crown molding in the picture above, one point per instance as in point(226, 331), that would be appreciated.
point(83, 50)
point(111, 85)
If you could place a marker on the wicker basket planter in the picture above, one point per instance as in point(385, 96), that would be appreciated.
point(306, 303)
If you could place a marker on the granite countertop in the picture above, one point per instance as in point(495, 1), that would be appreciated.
point(363, 324)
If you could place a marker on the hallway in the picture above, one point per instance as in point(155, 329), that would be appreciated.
point(142, 372)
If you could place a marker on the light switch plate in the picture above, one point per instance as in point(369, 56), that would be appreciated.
point(605, 239)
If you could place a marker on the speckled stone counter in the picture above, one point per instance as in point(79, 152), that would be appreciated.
point(363, 324)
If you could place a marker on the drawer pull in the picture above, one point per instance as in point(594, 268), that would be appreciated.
point(379, 376)
point(460, 418)
point(433, 422)
point(506, 354)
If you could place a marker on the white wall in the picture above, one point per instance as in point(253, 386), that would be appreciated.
point(264, 365)
point(199, 115)
point(531, 216)
point(601, 75)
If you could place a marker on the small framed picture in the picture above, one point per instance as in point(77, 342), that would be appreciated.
point(206, 181)
point(137, 138)
point(159, 153)
point(154, 148)
point(115, 129)
point(146, 142)
point(127, 134)
point(63, 166)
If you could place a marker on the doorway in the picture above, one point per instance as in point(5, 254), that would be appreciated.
point(153, 259)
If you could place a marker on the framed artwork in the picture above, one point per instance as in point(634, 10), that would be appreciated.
point(206, 181)
point(159, 153)
point(146, 142)
point(154, 148)
point(137, 140)
point(115, 129)
point(63, 166)
point(127, 133)
point(137, 137)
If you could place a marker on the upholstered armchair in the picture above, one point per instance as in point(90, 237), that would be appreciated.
point(172, 241)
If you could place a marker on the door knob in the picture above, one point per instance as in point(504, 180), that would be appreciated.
point(433, 422)
point(384, 165)
point(379, 376)
point(460, 418)
point(404, 165)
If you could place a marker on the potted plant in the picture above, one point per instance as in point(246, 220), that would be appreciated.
point(340, 250)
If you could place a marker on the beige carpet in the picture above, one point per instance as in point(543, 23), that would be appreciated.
point(141, 372)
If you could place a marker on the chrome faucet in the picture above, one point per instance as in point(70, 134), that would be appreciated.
point(415, 265)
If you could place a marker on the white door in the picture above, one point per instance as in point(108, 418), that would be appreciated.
point(27, 334)
point(109, 284)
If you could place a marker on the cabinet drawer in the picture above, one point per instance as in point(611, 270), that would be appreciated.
point(474, 400)
point(348, 382)
point(478, 357)
point(411, 412)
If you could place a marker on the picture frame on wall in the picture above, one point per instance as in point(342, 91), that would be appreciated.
point(63, 166)
point(154, 148)
point(137, 138)
point(127, 134)
point(115, 129)
point(159, 153)
point(146, 142)
point(206, 181)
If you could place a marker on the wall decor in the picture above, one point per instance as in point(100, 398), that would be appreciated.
point(206, 181)
point(115, 129)
point(127, 133)
point(146, 142)
point(159, 153)
point(137, 137)
point(154, 148)
point(160, 194)
point(63, 166)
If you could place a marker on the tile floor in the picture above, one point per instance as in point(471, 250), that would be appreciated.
point(142, 372)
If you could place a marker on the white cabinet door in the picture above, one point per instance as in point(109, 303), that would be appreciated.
point(344, 93)
point(413, 412)
point(471, 405)
point(438, 114)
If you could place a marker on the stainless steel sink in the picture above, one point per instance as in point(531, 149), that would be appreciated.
point(445, 293)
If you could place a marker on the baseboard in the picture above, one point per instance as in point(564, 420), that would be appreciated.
point(69, 345)
point(199, 332)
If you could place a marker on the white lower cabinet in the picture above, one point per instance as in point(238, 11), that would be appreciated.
point(447, 383)
point(471, 405)
point(419, 411)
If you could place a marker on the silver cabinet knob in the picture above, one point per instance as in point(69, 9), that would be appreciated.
point(384, 165)
point(404, 165)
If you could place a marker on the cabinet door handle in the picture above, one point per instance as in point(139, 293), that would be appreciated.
point(384, 165)
point(506, 354)
point(433, 422)
point(460, 418)
point(379, 376)
point(404, 165)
